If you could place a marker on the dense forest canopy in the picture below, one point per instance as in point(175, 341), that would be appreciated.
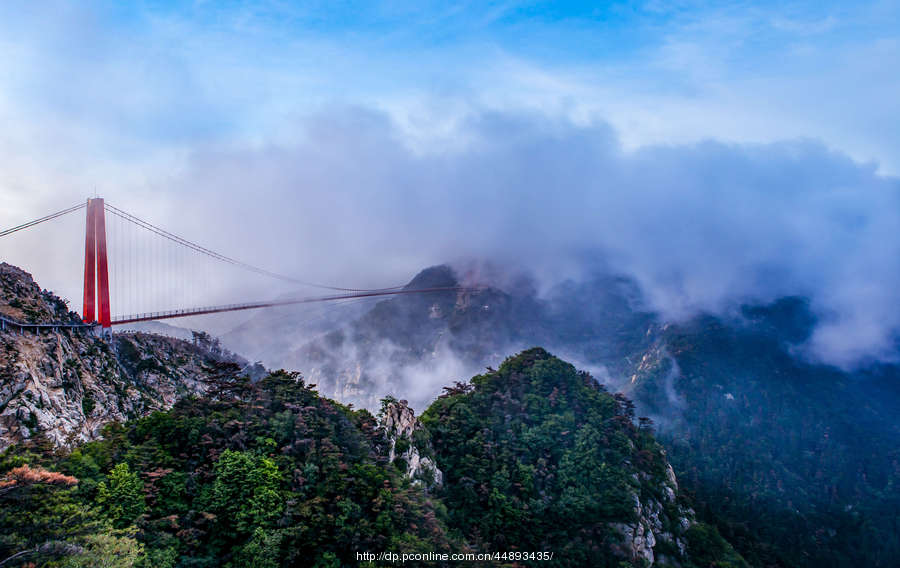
point(536, 457)
point(264, 474)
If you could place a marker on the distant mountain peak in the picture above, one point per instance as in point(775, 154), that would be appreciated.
point(439, 276)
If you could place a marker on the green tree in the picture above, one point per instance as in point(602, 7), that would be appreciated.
point(245, 493)
point(121, 496)
point(261, 551)
point(106, 550)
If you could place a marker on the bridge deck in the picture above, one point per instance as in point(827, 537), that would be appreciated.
point(13, 323)
point(151, 316)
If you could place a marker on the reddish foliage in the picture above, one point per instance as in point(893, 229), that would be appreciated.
point(26, 475)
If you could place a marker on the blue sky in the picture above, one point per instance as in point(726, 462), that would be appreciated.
point(174, 73)
point(698, 146)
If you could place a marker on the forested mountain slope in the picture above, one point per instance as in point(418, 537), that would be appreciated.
point(535, 457)
point(800, 456)
point(796, 459)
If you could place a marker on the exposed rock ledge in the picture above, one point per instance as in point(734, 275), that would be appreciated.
point(409, 446)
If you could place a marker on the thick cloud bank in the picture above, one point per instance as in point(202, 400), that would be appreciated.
point(700, 227)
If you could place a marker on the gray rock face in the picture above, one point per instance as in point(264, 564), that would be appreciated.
point(23, 300)
point(656, 521)
point(408, 442)
point(65, 385)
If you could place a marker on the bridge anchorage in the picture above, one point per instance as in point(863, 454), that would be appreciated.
point(141, 263)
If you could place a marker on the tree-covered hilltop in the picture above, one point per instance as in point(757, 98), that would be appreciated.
point(538, 456)
point(256, 475)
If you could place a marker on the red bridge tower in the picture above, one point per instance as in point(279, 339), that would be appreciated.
point(96, 269)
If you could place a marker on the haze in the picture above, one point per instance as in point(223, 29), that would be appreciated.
point(717, 156)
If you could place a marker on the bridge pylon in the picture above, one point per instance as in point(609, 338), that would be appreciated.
point(96, 266)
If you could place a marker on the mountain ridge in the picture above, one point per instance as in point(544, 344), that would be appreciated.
point(270, 473)
point(687, 376)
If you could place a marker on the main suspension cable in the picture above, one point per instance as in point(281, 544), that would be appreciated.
point(184, 242)
point(42, 219)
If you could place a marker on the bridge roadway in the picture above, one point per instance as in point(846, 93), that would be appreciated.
point(9, 323)
point(152, 316)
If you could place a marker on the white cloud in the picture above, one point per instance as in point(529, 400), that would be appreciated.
point(701, 226)
point(370, 154)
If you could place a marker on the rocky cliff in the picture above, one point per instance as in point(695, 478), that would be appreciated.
point(658, 532)
point(63, 385)
point(409, 446)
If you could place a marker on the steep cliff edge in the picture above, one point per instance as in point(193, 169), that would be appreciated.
point(410, 447)
point(23, 300)
point(65, 384)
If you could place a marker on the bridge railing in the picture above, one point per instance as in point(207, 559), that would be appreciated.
point(6, 321)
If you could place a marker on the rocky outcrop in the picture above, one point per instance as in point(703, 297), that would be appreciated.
point(64, 385)
point(659, 521)
point(409, 447)
point(21, 299)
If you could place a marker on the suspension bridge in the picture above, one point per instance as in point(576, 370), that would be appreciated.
point(130, 263)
